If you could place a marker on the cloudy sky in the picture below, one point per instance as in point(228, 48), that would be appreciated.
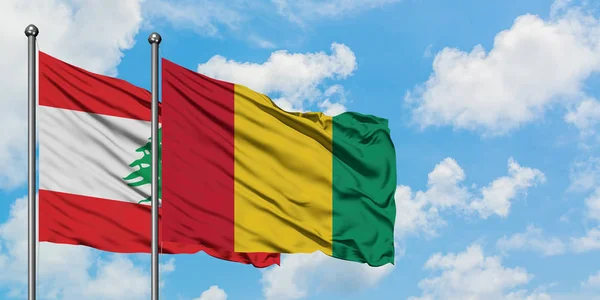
point(494, 108)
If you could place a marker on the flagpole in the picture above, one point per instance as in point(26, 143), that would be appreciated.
point(31, 32)
point(154, 39)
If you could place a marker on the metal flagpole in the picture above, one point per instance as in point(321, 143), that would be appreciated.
point(31, 32)
point(154, 41)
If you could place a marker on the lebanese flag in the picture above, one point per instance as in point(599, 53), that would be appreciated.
point(94, 165)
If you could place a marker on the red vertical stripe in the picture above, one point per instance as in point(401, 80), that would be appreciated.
point(198, 160)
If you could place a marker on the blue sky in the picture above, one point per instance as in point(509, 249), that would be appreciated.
point(493, 109)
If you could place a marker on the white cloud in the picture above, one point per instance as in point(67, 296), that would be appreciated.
point(330, 106)
point(592, 282)
point(296, 78)
point(301, 11)
point(261, 42)
point(201, 16)
point(534, 240)
point(532, 65)
point(524, 295)
point(117, 279)
point(585, 174)
point(574, 296)
point(496, 196)
point(301, 274)
point(70, 31)
point(213, 293)
point(420, 211)
point(559, 6)
point(585, 116)
point(66, 271)
point(167, 267)
point(415, 213)
point(472, 275)
point(589, 242)
point(592, 204)
point(213, 18)
point(332, 109)
point(427, 53)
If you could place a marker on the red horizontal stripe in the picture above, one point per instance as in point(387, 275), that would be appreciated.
point(116, 226)
point(63, 85)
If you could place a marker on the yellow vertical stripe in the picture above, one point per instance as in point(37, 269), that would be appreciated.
point(283, 177)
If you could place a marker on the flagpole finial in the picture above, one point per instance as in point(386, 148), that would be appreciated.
point(32, 30)
point(154, 38)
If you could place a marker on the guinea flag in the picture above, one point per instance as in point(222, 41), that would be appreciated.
point(94, 165)
point(243, 174)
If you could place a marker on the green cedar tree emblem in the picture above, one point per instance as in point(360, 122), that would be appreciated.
point(143, 173)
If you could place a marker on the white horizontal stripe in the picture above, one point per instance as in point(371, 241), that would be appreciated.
point(89, 154)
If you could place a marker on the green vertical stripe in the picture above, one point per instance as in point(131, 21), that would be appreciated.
point(364, 182)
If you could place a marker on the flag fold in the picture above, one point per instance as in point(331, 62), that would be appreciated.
point(94, 165)
point(242, 174)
